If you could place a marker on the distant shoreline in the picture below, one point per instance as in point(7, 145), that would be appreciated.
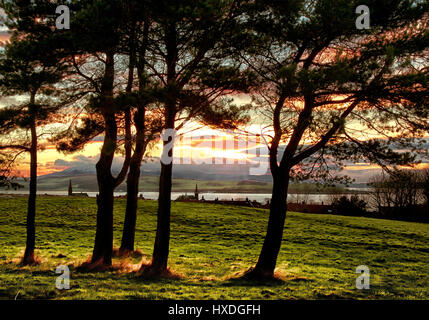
point(226, 190)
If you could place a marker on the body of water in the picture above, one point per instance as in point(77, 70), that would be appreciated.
point(260, 197)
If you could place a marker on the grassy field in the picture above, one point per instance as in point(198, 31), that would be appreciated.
point(209, 245)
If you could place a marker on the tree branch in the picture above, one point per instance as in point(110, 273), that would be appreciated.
point(325, 138)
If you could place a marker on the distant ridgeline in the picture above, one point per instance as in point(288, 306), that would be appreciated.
point(79, 194)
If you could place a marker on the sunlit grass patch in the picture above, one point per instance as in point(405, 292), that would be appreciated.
point(210, 246)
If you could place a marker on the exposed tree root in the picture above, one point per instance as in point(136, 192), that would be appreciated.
point(148, 271)
point(125, 253)
point(30, 260)
point(124, 266)
point(257, 275)
point(97, 266)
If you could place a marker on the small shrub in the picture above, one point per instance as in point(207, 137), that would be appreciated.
point(350, 207)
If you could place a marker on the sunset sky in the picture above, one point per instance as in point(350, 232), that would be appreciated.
point(195, 143)
point(202, 145)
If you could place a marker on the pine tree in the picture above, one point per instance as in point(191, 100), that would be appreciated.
point(188, 59)
point(327, 84)
point(28, 67)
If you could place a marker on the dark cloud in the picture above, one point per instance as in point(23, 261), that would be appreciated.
point(82, 162)
point(79, 161)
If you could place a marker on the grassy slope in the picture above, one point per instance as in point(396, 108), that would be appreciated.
point(210, 242)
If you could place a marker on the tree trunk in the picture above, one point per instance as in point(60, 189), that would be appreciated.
point(128, 235)
point(28, 258)
point(268, 257)
point(162, 240)
point(103, 247)
point(102, 253)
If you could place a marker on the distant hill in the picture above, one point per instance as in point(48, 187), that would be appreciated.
point(82, 182)
point(220, 178)
point(181, 171)
point(88, 183)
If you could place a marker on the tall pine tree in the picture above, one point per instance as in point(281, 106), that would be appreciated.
point(329, 86)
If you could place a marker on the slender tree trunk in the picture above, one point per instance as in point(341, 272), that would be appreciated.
point(28, 258)
point(162, 240)
point(103, 247)
point(128, 235)
point(268, 257)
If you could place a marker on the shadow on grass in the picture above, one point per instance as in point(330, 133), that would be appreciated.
point(238, 282)
point(26, 271)
point(88, 266)
point(279, 279)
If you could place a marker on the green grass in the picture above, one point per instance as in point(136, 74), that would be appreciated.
point(210, 243)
